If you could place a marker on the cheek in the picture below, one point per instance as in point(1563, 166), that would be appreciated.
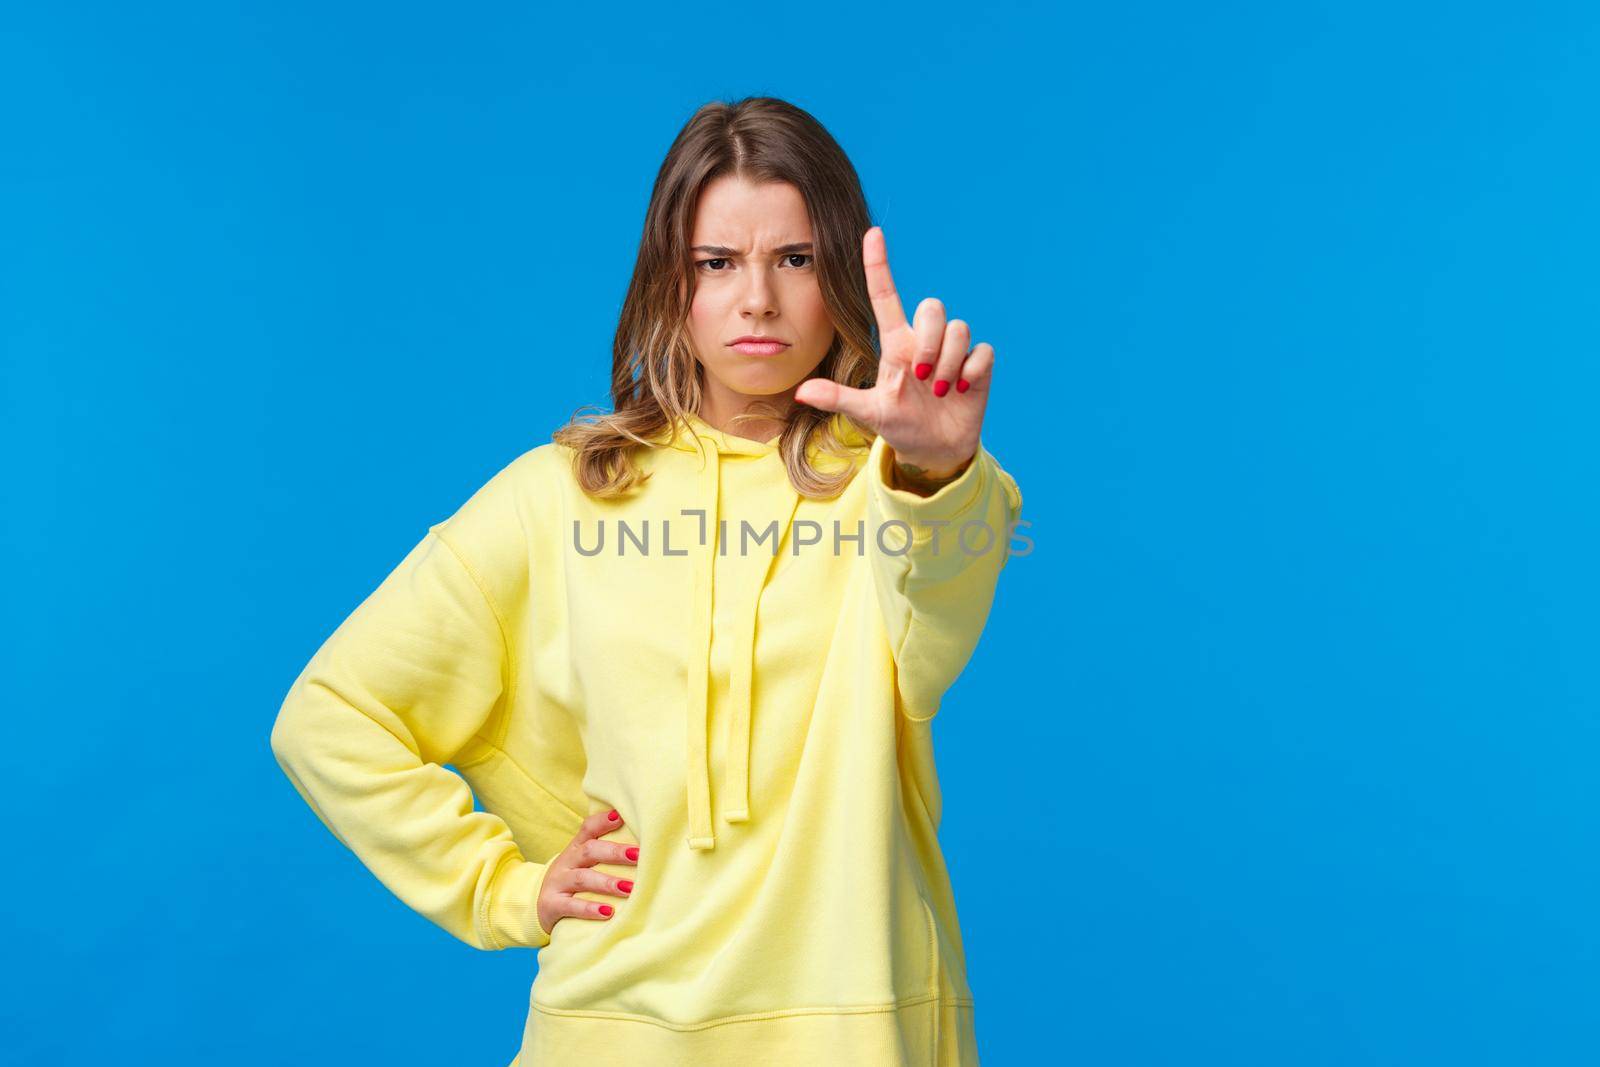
point(707, 311)
point(702, 322)
point(813, 313)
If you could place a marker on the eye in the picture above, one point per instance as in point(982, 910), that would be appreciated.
point(703, 262)
point(799, 255)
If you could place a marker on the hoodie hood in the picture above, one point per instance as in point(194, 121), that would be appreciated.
point(726, 593)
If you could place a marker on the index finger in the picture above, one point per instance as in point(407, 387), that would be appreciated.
point(598, 824)
point(880, 283)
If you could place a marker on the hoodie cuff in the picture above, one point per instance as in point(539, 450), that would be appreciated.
point(511, 919)
point(949, 502)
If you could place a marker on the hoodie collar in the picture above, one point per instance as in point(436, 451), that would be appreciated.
point(739, 582)
point(725, 443)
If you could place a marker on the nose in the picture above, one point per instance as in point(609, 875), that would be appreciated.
point(760, 296)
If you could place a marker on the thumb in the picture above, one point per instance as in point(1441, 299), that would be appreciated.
point(829, 395)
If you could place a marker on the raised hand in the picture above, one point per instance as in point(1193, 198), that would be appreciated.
point(931, 391)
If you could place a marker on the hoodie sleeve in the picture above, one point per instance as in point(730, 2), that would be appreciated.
point(420, 667)
point(936, 591)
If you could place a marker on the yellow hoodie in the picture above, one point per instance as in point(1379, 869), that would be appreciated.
point(761, 719)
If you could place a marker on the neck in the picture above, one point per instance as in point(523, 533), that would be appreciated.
point(719, 410)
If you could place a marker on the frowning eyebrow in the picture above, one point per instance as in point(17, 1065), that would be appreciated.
point(724, 250)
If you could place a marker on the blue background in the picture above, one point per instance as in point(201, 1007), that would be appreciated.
point(1281, 746)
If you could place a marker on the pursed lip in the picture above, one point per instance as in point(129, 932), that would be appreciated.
point(750, 339)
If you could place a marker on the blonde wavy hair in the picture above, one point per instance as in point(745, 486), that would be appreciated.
point(655, 378)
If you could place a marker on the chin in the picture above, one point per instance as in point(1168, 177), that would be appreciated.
point(762, 381)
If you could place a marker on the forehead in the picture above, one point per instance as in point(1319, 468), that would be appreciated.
point(735, 211)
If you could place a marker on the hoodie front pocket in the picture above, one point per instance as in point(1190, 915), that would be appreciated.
point(933, 945)
point(540, 823)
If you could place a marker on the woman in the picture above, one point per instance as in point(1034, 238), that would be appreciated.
point(687, 654)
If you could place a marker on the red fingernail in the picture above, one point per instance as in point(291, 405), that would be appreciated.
point(962, 385)
point(632, 853)
point(605, 909)
point(923, 370)
point(625, 885)
point(941, 387)
point(613, 816)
